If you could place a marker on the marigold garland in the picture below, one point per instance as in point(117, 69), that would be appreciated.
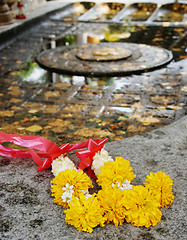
point(117, 201)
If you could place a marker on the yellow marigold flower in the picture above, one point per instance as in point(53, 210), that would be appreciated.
point(111, 203)
point(68, 184)
point(141, 208)
point(85, 214)
point(160, 184)
point(115, 172)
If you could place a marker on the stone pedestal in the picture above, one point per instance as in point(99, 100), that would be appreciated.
point(5, 14)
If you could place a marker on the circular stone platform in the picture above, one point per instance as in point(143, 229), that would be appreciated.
point(103, 54)
point(104, 59)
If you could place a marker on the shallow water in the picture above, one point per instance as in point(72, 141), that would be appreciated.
point(72, 108)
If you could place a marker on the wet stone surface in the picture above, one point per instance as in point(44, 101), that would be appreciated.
point(104, 59)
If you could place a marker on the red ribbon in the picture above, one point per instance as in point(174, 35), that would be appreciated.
point(49, 150)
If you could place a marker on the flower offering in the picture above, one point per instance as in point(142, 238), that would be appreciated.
point(117, 200)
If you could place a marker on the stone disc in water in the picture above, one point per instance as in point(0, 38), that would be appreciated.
point(65, 60)
point(100, 53)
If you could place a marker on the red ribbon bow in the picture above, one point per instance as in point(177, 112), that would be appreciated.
point(49, 150)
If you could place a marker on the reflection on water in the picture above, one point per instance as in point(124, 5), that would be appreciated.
point(113, 33)
point(73, 11)
point(31, 72)
point(171, 13)
point(139, 12)
point(106, 11)
point(124, 12)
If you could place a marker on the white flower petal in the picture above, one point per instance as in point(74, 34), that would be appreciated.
point(61, 164)
point(99, 159)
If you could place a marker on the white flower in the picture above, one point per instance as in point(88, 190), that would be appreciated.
point(86, 194)
point(124, 185)
point(68, 193)
point(99, 159)
point(61, 164)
